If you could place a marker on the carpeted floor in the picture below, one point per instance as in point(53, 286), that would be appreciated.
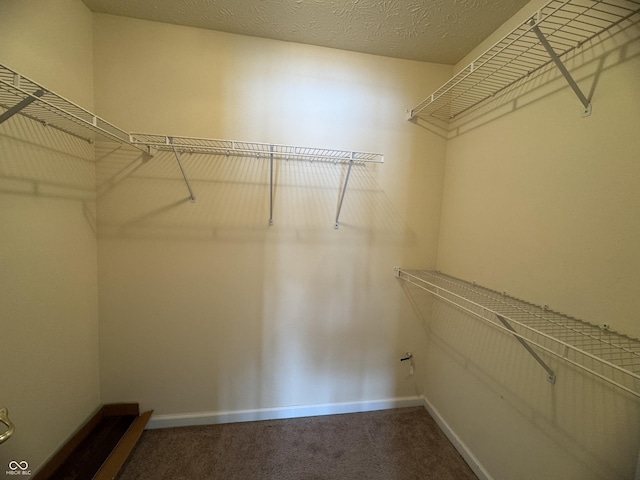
point(399, 444)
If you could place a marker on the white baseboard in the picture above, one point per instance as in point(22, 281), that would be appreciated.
point(211, 418)
point(460, 446)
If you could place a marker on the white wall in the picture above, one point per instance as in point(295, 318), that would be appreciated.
point(49, 378)
point(543, 204)
point(203, 307)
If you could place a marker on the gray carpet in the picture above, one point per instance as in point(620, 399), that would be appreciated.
point(399, 444)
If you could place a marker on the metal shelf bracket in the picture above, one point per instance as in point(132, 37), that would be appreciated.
point(270, 185)
point(21, 105)
point(344, 190)
point(259, 150)
point(184, 175)
point(551, 376)
point(533, 23)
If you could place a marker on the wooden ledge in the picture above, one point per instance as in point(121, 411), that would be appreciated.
point(100, 447)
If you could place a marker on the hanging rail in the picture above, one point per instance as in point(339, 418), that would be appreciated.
point(21, 95)
point(259, 150)
point(556, 29)
point(608, 355)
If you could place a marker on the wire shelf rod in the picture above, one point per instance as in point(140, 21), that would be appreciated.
point(474, 303)
point(563, 356)
point(472, 68)
point(496, 72)
point(566, 25)
point(20, 95)
point(265, 150)
point(546, 317)
point(574, 326)
point(51, 109)
point(622, 357)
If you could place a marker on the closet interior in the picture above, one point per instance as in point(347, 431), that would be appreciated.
point(492, 182)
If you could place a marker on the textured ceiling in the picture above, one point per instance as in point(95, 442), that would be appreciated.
point(440, 31)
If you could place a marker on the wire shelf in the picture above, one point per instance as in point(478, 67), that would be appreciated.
point(610, 356)
point(566, 25)
point(264, 150)
point(19, 94)
point(267, 151)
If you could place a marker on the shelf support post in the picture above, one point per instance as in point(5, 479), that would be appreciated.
point(270, 185)
point(21, 104)
point(565, 73)
point(344, 190)
point(184, 175)
point(551, 376)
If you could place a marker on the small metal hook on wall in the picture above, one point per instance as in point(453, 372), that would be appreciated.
point(408, 356)
point(4, 418)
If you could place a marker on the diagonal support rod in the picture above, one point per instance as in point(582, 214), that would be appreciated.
point(551, 376)
point(270, 185)
point(21, 105)
point(556, 59)
point(184, 175)
point(344, 190)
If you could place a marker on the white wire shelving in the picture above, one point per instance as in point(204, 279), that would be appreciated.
point(21, 95)
point(270, 151)
point(556, 29)
point(608, 355)
point(257, 149)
